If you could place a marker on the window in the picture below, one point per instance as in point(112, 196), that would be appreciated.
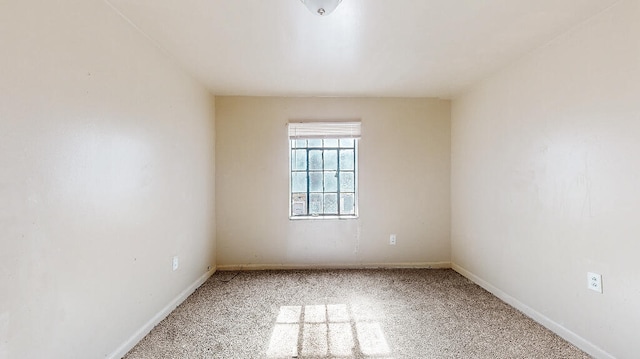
point(323, 169)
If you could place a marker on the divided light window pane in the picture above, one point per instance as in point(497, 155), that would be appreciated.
point(347, 159)
point(299, 160)
point(315, 143)
point(323, 177)
point(347, 182)
point(315, 182)
point(331, 181)
point(315, 159)
point(331, 142)
point(330, 159)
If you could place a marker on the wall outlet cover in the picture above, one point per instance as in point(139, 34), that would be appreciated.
point(594, 282)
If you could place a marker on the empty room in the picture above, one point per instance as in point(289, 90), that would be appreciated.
point(319, 179)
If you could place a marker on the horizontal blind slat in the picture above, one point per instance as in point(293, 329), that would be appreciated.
point(300, 130)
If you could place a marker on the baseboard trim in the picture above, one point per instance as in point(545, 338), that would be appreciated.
point(282, 266)
point(545, 321)
point(146, 328)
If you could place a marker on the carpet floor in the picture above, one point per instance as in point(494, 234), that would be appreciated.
point(383, 314)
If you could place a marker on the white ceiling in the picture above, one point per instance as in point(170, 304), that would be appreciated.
point(387, 48)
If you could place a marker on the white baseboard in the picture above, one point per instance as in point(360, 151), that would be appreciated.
point(545, 321)
point(249, 267)
point(146, 328)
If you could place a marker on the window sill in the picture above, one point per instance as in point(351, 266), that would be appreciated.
point(297, 218)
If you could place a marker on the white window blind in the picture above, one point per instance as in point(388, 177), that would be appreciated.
point(342, 129)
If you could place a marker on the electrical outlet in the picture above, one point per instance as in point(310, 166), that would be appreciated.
point(175, 263)
point(594, 282)
point(392, 240)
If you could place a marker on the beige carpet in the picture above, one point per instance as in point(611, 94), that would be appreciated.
point(348, 314)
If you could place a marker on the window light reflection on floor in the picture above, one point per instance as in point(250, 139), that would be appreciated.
point(321, 330)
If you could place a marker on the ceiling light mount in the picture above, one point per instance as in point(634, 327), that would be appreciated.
point(321, 7)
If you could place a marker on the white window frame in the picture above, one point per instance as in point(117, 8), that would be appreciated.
point(316, 130)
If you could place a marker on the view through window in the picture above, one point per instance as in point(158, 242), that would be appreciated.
point(323, 177)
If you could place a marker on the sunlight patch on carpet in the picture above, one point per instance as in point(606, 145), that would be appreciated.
point(339, 330)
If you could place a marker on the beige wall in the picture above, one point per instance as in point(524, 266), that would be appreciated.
point(545, 182)
point(403, 178)
point(106, 173)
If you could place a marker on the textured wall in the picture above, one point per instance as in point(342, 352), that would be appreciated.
point(106, 172)
point(545, 177)
point(403, 179)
